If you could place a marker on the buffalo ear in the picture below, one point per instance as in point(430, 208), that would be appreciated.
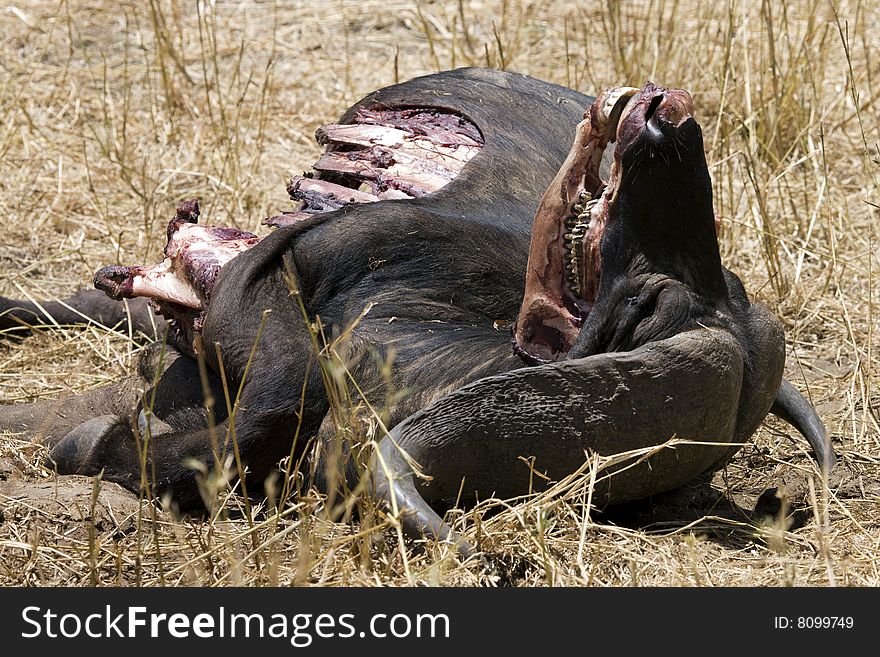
point(474, 441)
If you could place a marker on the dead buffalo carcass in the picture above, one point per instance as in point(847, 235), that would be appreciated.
point(453, 205)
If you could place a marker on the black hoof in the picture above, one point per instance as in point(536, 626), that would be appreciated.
point(74, 453)
point(151, 425)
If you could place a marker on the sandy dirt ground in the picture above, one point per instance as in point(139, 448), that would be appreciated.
point(110, 115)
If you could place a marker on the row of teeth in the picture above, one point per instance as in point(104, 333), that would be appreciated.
point(576, 226)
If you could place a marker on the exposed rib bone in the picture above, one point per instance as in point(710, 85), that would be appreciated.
point(453, 156)
point(316, 193)
point(392, 194)
point(288, 218)
point(438, 126)
point(398, 154)
point(388, 169)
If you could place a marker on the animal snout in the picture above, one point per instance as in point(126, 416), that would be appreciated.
point(671, 106)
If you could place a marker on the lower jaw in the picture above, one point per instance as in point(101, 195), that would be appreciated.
point(564, 261)
point(548, 323)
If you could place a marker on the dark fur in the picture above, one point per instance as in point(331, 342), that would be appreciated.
point(441, 270)
point(445, 267)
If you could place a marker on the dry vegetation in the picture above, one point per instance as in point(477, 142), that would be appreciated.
point(111, 113)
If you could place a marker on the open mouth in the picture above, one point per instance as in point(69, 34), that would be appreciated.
point(564, 270)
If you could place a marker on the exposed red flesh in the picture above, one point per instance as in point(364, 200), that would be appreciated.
point(550, 316)
point(552, 313)
point(180, 286)
point(398, 154)
point(439, 126)
point(452, 156)
point(393, 153)
point(193, 259)
point(414, 151)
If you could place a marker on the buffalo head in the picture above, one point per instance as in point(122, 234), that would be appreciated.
point(642, 345)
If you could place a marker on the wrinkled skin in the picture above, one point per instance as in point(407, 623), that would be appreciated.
point(671, 346)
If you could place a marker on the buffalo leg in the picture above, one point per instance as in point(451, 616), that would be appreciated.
point(18, 317)
point(266, 418)
point(50, 420)
point(166, 392)
point(167, 463)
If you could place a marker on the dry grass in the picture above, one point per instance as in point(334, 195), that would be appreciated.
point(111, 113)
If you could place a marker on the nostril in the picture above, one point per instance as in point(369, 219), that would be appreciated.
point(652, 106)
